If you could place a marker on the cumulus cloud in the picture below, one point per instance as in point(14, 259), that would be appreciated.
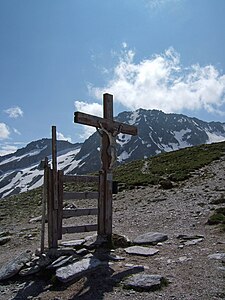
point(89, 108)
point(60, 136)
point(4, 131)
point(161, 82)
point(7, 149)
point(14, 112)
point(95, 109)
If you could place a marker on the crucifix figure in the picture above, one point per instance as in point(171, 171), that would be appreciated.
point(108, 129)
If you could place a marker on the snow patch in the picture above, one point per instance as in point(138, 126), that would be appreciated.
point(134, 117)
point(214, 137)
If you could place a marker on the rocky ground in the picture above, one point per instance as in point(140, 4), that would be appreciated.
point(192, 259)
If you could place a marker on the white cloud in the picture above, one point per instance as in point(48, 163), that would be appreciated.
point(161, 82)
point(4, 131)
point(89, 108)
point(14, 112)
point(7, 149)
point(60, 136)
point(16, 131)
point(95, 109)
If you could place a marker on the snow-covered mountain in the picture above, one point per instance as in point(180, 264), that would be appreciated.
point(20, 171)
point(157, 132)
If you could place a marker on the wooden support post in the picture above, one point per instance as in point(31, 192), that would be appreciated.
point(54, 167)
point(60, 203)
point(107, 174)
point(44, 200)
point(52, 214)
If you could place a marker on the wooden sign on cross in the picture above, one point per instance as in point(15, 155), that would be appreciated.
point(109, 129)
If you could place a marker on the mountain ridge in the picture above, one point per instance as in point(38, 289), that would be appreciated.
point(158, 132)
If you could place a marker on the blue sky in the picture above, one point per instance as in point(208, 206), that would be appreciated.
point(59, 56)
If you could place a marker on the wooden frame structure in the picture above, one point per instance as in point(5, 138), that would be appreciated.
point(55, 195)
point(54, 179)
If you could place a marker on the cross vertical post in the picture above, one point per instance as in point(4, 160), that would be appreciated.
point(108, 129)
point(105, 190)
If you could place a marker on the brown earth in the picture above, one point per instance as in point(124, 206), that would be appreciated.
point(181, 210)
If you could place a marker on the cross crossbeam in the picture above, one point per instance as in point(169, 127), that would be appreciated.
point(94, 121)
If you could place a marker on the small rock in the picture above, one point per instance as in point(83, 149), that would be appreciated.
point(183, 259)
point(143, 251)
point(4, 233)
point(4, 240)
point(193, 242)
point(144, 282)
point(60, 262)
point(82, 251)
point(150, 238)
point(13, 267)
point(73, 243)
point(189, 237)
point(218, 256)
point(36, 219)
point(77, 269)
point(95, 241)
point(30, 271)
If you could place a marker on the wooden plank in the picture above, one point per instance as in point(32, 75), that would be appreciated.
point(52, 214)
point(80, 178)
point(60, 203)
point(94, 121)
point(68, 213)
point(81, 228)
point(44, 201)
point(108, 204)
point(54, 167)
point(80, 195)
point(101, 205)
point(54, 149)
point(108, 106)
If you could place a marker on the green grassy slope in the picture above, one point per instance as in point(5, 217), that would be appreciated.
point(175, 166)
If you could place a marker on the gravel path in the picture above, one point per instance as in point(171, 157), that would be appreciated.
point(182, 210)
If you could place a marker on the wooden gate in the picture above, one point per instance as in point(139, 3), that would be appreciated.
point(54, 195)
point(56, 213)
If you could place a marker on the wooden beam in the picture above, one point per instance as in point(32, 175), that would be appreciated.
point(80, 178)
point(68, 213)
point(94, 121)
point(81, 228)
point(80, 195)
point(60, 203)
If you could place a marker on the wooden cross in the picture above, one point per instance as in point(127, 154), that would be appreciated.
point(109, 130)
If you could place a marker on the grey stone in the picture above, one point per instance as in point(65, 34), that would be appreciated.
point(36, 219)
point(43, 261)
point(150, 238)
point(61, 251)
point(186, 237)
point(144, 282)
point(60, 262)
point(4, 240)
point(82, 251)
point(192, 242)
point(13, 267)
point(138, 250)
point(218, 256)
point(4, 233)
point(92, 242)
point(30, 271)
point(73, 243)
point(77, 269)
